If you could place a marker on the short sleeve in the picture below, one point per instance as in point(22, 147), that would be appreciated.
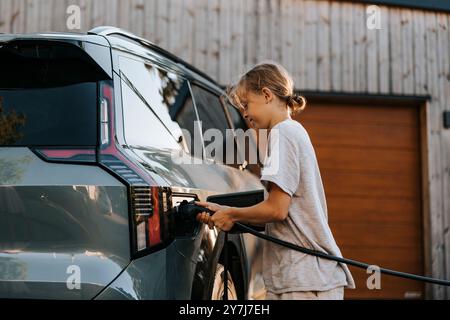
point(282, 163)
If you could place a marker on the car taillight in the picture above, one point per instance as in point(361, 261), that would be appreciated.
point(149, 204)
point(66, 155)
point(153, 224)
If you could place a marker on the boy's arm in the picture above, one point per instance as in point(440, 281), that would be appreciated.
point(274, 208)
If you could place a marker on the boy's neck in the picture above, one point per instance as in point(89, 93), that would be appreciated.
point(278, 119)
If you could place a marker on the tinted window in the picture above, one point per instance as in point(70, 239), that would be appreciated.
point(158, 88)
point(46, 64)
point(167, 94)
point(60, 116)
point(48, 94)
point(210, 110)
point(183, 113)
point(249, 143)
point(212, 116)
point(142, 127)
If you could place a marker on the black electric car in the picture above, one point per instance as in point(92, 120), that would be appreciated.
point(91, 126)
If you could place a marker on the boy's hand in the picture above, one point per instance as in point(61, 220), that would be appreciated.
point(222, 218)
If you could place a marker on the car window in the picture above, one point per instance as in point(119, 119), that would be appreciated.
point(210, 111)
point(212, 116)
point(142, 126)
point(48, 95)
point(69, 113)
point(247, 142)
point(167, 94)
point(184, 114)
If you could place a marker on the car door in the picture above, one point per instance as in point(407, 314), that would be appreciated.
point(217, 114)
point(162, 116)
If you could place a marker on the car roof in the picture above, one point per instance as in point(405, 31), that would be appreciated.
point(109, 31)
point(55, 36)
point(102, 35)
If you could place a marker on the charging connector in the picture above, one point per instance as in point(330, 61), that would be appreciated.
point(185, 216)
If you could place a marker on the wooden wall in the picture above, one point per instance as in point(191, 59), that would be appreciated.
point(324, 44)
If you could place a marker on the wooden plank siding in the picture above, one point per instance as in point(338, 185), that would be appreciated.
point(325, 45)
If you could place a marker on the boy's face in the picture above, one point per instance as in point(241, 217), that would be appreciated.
point(257, 110)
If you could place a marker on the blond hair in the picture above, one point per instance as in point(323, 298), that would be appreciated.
point(270, 75)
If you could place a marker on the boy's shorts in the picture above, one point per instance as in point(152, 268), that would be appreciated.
point(333, 294)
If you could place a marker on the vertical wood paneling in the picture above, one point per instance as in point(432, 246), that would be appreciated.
point(262, 35)
point(3, 14)
point(445, 143)
point(250, 33)
point(150, 20)
point(110, 8)
point(177, 13)
point(237, 37)
point(336, 46)
point(32, 16)
point(86, 14)
point(436, 202)
point(6, 7)
point(173, 40)
point(270, 8)
point(348, 63)
point(18, 16)
point(384, 78)
point(443, 64)
point(212, 63)
point(274, 22)
point(299, 58)
point(99, 13)
point(187, 30)
point(323, 46)
point(431, 46)
point(311, 23)
point(123, 14)
point(372, 59)
point(359, 47)
point(434, 156)
point(59, 16)
point(443, 50)
point(45, 15)
point(420, 72)
point(201, 34)
point(395, 50)
point(137, 17)
point(407, 50)
point(162, 23)
point(224, 42)
point(287, 23)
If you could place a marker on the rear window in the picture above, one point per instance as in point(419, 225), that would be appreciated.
point(60, 116)
point(48, 95)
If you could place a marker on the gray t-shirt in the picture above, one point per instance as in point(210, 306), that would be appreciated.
point(292, 165)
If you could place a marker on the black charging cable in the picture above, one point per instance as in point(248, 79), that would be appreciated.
point(342, 260)
point(194, 208)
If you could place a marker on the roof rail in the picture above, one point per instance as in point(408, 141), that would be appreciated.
point(108, 30)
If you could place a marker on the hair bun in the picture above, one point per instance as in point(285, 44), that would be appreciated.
point(296, 103)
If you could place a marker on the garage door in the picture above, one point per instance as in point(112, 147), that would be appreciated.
point(369, 157)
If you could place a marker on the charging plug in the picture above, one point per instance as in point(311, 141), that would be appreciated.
point(185, 215)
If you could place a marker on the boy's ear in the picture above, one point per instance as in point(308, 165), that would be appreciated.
point(267, 93)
